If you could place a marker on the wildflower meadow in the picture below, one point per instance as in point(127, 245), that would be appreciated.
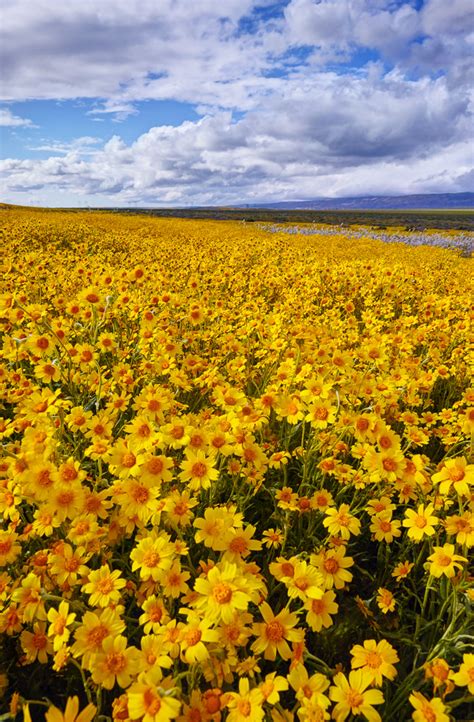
point(236, 472)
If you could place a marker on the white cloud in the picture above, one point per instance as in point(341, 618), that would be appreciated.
point(129, 50)
point(301, 130)
point(81, 145)
point(7, 118)
point(325, 138)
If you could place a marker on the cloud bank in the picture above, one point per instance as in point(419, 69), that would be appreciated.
point(297, 99)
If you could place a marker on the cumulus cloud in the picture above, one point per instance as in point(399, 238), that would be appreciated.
point(289, 109)
point(7, 118)
point(319, 139)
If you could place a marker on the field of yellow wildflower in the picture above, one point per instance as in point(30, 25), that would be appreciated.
point(236, 474)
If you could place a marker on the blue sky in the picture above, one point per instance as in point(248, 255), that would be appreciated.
point(168, 102)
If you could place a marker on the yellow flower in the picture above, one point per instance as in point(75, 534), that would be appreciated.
point(29, 598)
point(307, 687)
point(124, 461)
point(115, 663)
point(439, 672)
point(156, 469)
point(151, 654)
point(341, 521)
point(223, 592)
point(141, 434)
point(94, 628)
point(104, 586)
point(321, 414)
point(154, 614)
point(333, 565)
point(385, 600)
point(272, 686)
point(36, 644)
point(376, 659)
point(402, 570)
point(352, 696)
point(71, 713)
point(465, 675)
point(59, 620)
point(306, 583)
point(320, 610)
point(274, 633)
point(445, 561)
point(427, 710)
point(420, 523)
point(152, 556)
point(10, 549)
point(463, 527)
point(198, 470)
point(457, 473)
point(239, 543)
point(272, 538)
point(194, 637)
point(213, 528)
point(384, 528)
point(149, 702)
point(246, 705)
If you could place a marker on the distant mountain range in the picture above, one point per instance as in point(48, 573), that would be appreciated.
point(414, 202)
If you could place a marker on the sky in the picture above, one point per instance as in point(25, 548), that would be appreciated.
point(221, 102)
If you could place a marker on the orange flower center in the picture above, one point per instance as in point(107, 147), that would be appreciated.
point(44, 478)
point(155, 466)
point(39, 640)
point(155, 614)
point(5, 546)
point(420, 522)
point(59, 625)
point(199, 469)
point(287, 569)
point(274, 631)
point(69, 473)
point(354, 699)
point(317, 606)
point(151, 559)
point(302, 583)
point(443, 560)
point(331, 566)
point(70, 565)
point(193, 637)
point(321, 414)
point(141, 494)
point(116, 662)
point(222, 593)
point(96, 636)
point(128, 460)
point(428, 713)
point(244, 707)
point(65, 498)
point(105, 586)
point(374, 660)
point(238, 545)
